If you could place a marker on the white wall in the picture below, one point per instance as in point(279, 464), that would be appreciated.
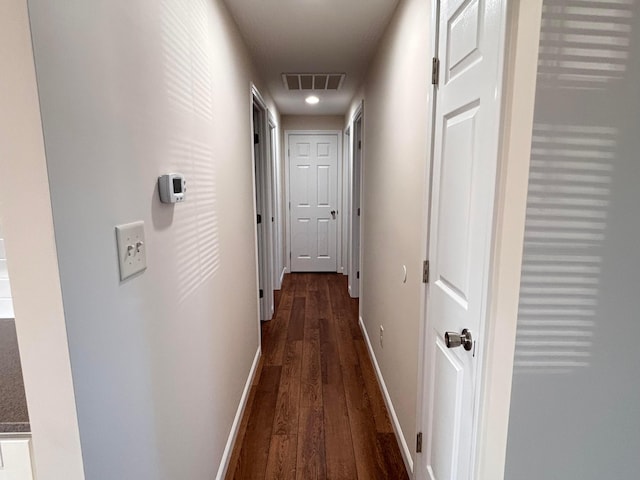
point(312, 122)
point(576, 395)
point(129, 91)
point(25, 214)
point(395, 157)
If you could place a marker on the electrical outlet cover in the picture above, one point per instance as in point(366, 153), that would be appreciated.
point(132, 250)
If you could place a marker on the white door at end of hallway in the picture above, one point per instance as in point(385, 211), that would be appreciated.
point(465, 153)
point(313, 193)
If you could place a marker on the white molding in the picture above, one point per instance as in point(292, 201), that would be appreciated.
point(41, 327)
point(352, 280)
point(276, 194)
point(284, 271)
point(228, 449)
point(520, 69)
point(287, 193)
point(263, 188)
point(255, 93)
point(402, 443)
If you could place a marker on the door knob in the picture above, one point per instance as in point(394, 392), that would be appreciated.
point(455, 340)
point(333, 214)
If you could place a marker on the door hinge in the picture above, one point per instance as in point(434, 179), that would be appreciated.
point(272, 219)
point(419, 443)
point(289, 256)
point(289, 152)
point(259, 219)
point(359, 144)
point(425, 271)
point(256, 138)
point(358, 275)
point(358, 211)
point(261, 293)
point(435, 71)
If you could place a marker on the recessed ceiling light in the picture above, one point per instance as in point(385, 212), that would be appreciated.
point(312, 100)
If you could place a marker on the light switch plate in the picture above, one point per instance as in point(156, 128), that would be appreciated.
point(132, 250)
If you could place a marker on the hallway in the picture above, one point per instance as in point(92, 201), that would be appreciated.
point(315, 409)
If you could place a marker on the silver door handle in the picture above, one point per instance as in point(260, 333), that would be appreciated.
point(455, 340)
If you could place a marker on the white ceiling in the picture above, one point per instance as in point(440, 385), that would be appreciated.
point(312, 36)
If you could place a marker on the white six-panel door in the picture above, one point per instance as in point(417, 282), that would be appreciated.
point(313, 193)
point(466, 134)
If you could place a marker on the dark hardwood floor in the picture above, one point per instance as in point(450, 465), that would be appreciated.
point(315, 410)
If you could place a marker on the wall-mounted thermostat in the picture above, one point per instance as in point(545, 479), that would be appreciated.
point(172, 188)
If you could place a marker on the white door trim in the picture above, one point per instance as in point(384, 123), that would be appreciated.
point(353, 281)
point(276, 200)
point(287, 184)
point(264, 189)
point(519, 66)
point(346, 218)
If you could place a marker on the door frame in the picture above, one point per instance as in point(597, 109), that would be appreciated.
point(287, 191)
point(276, 201)
point(355, 179)
point(263, 194)
point(346, 218)
point(521, 24)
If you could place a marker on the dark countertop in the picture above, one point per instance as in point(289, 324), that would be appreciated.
point(14, 417)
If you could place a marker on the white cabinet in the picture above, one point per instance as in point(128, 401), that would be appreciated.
point(15, 459)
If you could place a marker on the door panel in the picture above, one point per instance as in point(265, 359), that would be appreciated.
point(466, 134)
point(300, 179)
point(324, 186)
point(463, 38)
point(455, 195)
point(314, 195)
point(448, 374)
point(324, 232)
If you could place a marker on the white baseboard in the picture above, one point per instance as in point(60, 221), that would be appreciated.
point(228, 449)
point(402, 443)
point(284, 270)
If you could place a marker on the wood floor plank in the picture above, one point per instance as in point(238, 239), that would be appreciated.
point(369, 460)
point(242, 429)
point(311, 381)
point(393, 462)
point(276, 336)
point(281, 464)
point(301, 284)
point(346, 346)
point(287, 405)
point(340, 458)
point(312, 312)
point(252, 461)
point(296, 320)
point(378, 406)
point(341, 318)
point(329, 356)
point(322, 299)
point(311, 461)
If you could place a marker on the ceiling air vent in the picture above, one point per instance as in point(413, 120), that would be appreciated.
point(313, 81)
